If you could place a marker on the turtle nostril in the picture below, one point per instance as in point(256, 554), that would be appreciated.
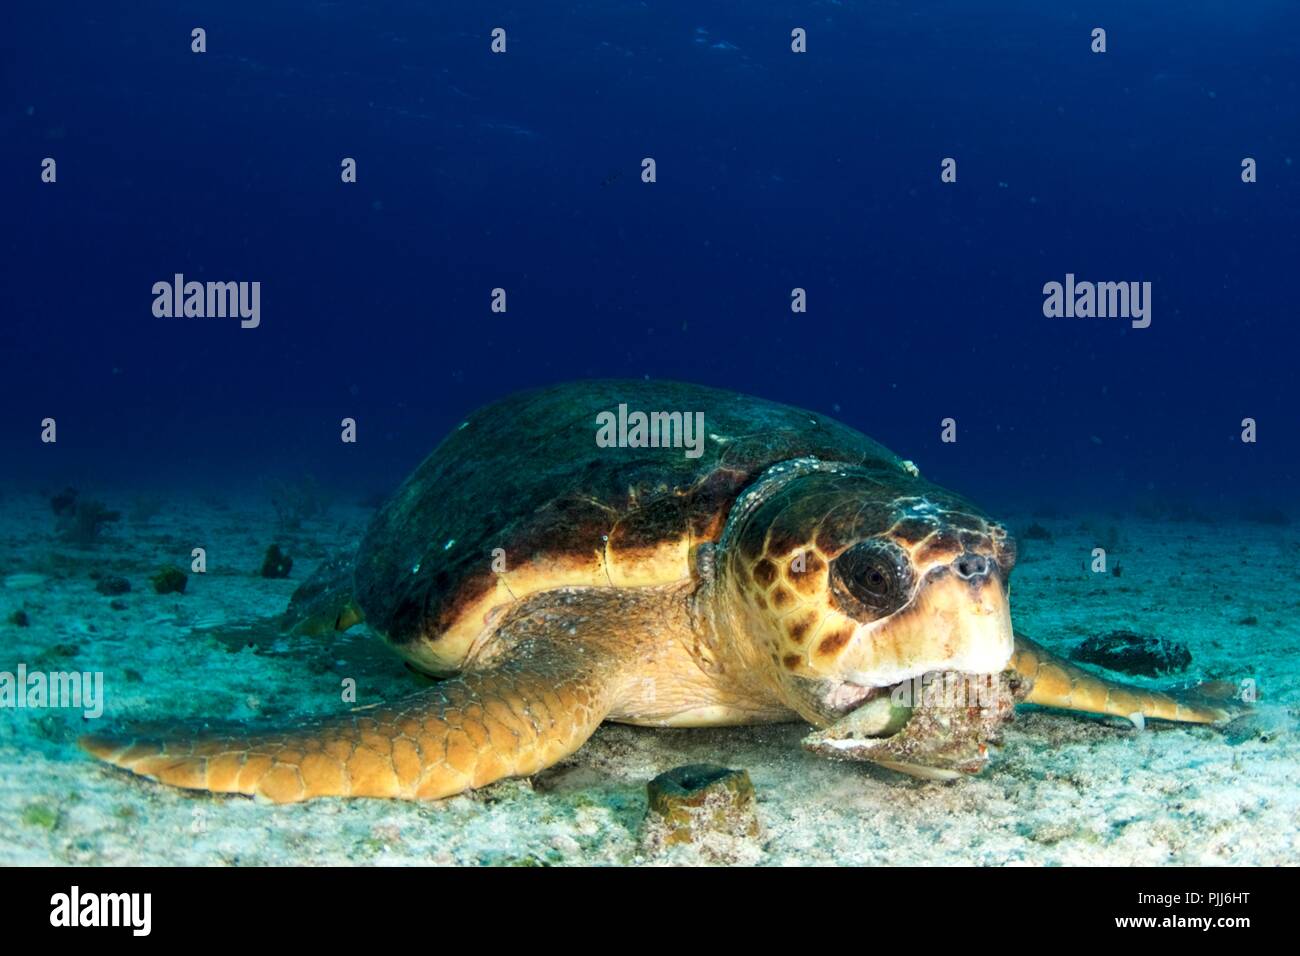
point(970, 566)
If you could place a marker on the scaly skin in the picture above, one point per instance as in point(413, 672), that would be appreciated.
point(463, 734)
point(1058, 683)
point(540, 703)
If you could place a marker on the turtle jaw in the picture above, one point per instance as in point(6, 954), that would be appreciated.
point(839, 699)
point(952, 625)
point(842, 697)
point(828, 701)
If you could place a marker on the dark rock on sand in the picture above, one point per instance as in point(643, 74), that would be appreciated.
point(1133, 653)
point(276, 564)
point(112, 585)
point(698, 802)
point(170, 580)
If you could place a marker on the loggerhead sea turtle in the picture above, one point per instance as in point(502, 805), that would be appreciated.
point(786, 568)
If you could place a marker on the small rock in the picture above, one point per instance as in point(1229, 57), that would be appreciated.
point(1133, 653)
point(170, 580)
point(699, 803)
point(57, 653)
point(1255, 727)
point(112, 585)
point(276, 564)
point(65, 502)
point(503, 791)
point(19, 619)
point(1036, 532)
point(40, 815)
point(50, 727)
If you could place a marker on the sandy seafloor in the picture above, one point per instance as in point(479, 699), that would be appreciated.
point(1063, 789)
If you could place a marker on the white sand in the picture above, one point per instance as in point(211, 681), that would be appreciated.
point(1064, 790)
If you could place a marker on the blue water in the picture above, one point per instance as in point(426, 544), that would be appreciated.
point(775, 170)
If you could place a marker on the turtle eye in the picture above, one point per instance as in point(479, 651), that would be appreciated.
point(871, 579)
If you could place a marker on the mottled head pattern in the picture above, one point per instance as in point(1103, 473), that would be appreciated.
point(847, 578)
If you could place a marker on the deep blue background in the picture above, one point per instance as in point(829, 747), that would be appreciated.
point(775, 171)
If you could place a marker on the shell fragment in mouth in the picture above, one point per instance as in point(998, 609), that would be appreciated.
point(933, 739)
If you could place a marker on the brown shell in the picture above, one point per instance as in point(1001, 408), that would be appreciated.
point(526, 476)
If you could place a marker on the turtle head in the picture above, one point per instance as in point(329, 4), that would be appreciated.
point(847, 580)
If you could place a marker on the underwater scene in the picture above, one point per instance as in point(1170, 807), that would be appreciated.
point(648, 433)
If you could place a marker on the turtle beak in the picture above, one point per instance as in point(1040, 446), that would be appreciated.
point(959, 620)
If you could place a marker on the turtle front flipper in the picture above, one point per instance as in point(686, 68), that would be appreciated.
point(558, 670)
point(1055, 682)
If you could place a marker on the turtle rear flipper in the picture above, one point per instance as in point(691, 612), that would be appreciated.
point(325, 602)
point(559, 669)
point(1054, 682)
